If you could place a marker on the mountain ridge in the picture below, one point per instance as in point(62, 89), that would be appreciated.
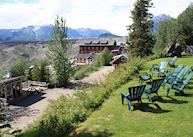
point(43, 33)
point(158, 20)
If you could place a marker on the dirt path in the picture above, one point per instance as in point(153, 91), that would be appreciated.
point(24, 112)
point(96, 76)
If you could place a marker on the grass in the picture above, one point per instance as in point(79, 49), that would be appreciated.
point(85, 71)
point(166, 117)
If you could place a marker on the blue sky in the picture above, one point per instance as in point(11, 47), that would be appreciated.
point(113, 15)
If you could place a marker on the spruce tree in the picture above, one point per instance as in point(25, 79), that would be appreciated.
point(140, 38)
point(58, 53)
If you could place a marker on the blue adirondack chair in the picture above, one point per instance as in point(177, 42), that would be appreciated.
point(159, 69)
point(143, 76)
point(134, 93)
point(176, 71)
point(179, 77)
point(155, 85)
point(172, 61)
point(178, 85)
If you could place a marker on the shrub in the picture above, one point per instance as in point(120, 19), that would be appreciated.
point(40, 71)
point(18, 68)
point(106, 57)
point(103, 59)
point(84, 71)
point(2, 73)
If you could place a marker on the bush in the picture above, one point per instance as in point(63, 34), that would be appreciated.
point(18, 68)
point(2, 73)
point(84, 71)
point(103, 59)
point(106, 57)
point(40, 71)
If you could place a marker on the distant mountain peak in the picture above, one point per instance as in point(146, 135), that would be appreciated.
point(43, 33)
point(158, 19)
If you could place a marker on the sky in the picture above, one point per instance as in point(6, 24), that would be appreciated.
point(112, 15)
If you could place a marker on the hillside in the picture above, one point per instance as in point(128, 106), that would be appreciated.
point(109, 35)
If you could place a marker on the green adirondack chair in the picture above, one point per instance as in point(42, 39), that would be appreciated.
point(179, 77)
point(159, 69)
point(134, 93)
point(172, 61)
point(176, 71)
point(155, 85)
point(143, 76)
point(178, 85)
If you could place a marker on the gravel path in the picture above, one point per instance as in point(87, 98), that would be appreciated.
point(25, 111)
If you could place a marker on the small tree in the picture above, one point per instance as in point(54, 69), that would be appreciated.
point(97, 61)
point(140, 38)
point(18, 68)
point(103, 59)
point(40, 71)
point(58, 50)
point(106, 57)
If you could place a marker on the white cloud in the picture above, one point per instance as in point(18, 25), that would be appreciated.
point(112, 15)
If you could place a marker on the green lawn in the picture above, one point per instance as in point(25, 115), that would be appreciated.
point(170, 117)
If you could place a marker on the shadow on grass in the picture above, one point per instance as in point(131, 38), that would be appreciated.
point(189, 87)
point(104, 133)
point(183, 94)
point(150, 107)
point(171, 100)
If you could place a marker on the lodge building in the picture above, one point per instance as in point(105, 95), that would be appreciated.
point(83, 59)
point(96, 46)
point(88, 48)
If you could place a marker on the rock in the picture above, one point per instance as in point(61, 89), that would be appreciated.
point(173, 49)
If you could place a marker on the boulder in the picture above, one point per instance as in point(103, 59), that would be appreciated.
point(173, 49)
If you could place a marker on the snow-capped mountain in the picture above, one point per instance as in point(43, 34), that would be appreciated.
point(43, 33)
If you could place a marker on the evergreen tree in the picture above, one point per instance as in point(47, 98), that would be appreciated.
point(58, 53)
point(140, 37)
